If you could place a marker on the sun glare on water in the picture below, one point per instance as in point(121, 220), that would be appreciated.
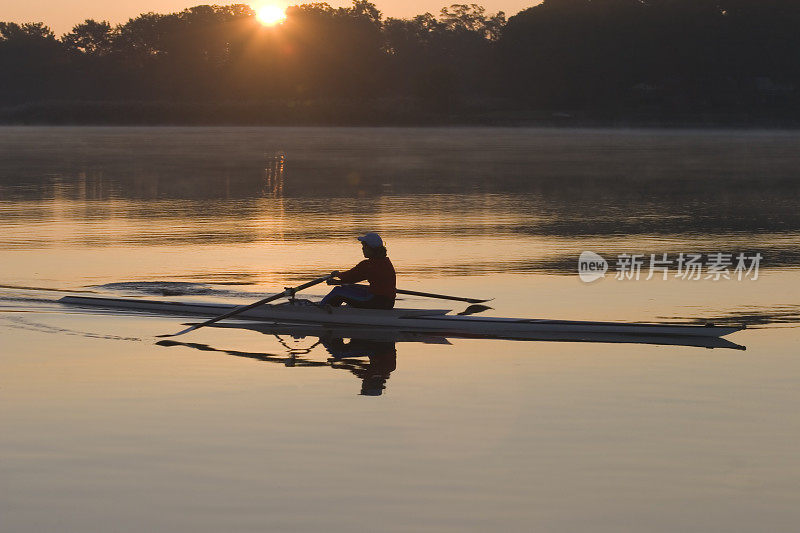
point(270, 15)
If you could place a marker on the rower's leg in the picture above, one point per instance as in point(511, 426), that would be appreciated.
point(349, 294)
point(334, 298)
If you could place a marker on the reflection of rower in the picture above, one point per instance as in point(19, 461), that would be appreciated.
point(382, 361)
point(381, 354)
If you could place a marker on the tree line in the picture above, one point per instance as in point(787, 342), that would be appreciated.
point(598, 57)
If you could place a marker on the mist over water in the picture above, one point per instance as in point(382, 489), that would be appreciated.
point(156, 187)
point(251, 429)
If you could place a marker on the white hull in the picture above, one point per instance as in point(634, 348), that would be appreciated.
point(433, 320)
point(385, 334)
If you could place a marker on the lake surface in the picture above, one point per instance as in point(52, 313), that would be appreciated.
point(233, 429)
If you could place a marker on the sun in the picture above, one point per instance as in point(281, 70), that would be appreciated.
point(269, 15)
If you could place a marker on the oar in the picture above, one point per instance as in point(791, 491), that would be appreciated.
point(443, 296)
point(289, 291)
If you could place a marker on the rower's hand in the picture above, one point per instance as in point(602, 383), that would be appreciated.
point(332, 280)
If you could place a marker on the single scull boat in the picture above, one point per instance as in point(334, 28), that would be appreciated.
point(422, 320)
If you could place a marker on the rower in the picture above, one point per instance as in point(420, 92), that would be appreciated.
point(377, 269)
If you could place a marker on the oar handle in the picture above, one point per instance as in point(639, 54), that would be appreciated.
point(288, 291)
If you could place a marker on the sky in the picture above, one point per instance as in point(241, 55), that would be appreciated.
point(62, 15)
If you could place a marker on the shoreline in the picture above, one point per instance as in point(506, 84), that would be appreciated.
point(381, 113)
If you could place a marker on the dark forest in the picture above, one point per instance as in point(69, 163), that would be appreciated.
point(684, 62)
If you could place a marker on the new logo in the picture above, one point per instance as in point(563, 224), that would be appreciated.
point(591, 267)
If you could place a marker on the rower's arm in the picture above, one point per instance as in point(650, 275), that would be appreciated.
point(355, 274)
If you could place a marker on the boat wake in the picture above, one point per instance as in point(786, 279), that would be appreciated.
point(25, 300)
point(754, 317)
point(18, 322)
point(174, 288)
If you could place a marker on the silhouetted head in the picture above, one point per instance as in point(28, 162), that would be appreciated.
point(372, 245)
point(373, 386)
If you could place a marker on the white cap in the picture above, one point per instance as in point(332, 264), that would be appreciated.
point(373, 240)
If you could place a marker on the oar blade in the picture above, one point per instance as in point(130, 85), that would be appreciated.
point(187, 330)
point(474, 308)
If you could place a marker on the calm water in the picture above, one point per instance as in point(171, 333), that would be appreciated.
point(234, 429)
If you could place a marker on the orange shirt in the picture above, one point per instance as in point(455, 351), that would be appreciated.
point(378, 271)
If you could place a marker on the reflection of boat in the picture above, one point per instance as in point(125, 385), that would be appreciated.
point(383, 334)
point(419, 320)
point(370, 353)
